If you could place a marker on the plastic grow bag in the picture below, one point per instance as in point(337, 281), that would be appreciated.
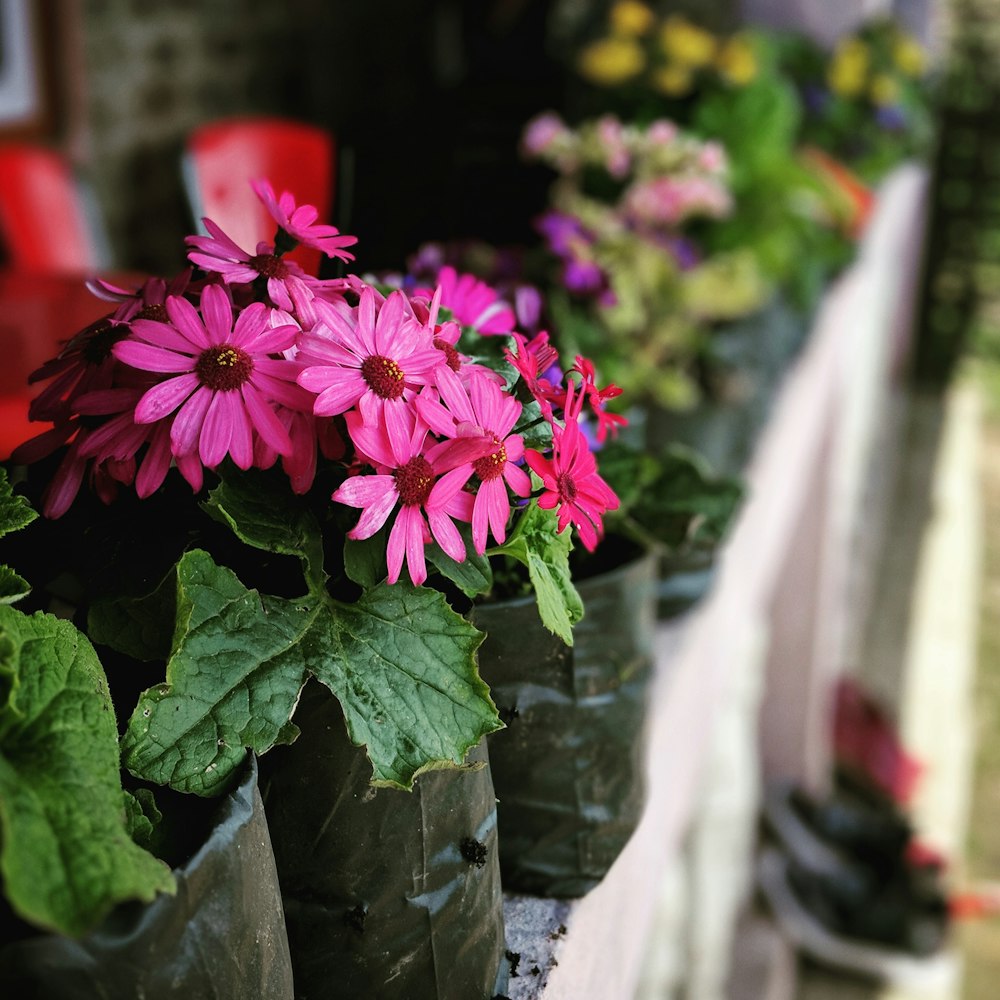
point(222, 936)
point(388, 894)
point(568, 770)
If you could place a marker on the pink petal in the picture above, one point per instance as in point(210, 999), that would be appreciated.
point(217, 312)
point(265, 421)
point(162, 335)
point(216, 431)
point(338, 398)
point(183, 315)
point(447, 535)
point(241, 441)
point(382, 503)
point(155, 464)
point(148, 358)
point(517, 479)
point(164, 398)
point(186, 428)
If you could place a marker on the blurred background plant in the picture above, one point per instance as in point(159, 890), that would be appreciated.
point(626, 280)
point(868, 101)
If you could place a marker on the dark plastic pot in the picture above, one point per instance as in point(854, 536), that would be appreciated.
point(221, 936)
point(388, 894)
point(568, 770)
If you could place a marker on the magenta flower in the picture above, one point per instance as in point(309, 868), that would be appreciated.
point(413, 483)
point(481, 408)
point(571, 481)
point(531, 359)
point(472, 302)
point(286, 282)
point(299, 222)
point(223, 381)
point(372, 358)
point(86, 363)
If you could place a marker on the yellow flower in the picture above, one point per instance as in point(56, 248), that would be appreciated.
point(610, 61)
point(672, 80)
point(686, 43)
point(737, 61)
point(848, 68)
point(909, 55)
point(630, 17)
point(884, 90)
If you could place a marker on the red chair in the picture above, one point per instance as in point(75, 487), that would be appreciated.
point(47, 218)
point(222, 157)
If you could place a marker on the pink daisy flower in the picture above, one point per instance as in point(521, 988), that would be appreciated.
point(571, 481)
point(222, 381)
point(412, 482)
point(86, 363)
point(472, 302)
point(531, 358)
point(481, 408)
point(299, 222)
point(373, 358)
point(286, 282)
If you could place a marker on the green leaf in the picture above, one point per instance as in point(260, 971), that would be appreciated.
point(232, 682)
point(364, 559)
point(142, 817)
point(12, 586)
point(538, 545)
point(400, 660)
point(671, 500)
point(67, 858)
point(15, 511)
point(264, 513)
point(473, 576)
point(141, 627)
point(405, 673)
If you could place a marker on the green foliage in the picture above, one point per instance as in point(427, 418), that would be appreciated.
point(67, 856)
point(670, 502)
point(539, 546)
point(400, 661)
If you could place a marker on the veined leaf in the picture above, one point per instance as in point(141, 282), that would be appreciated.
point(401, 662)
point(67, 857)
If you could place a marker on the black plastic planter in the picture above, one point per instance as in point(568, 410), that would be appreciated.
point(388, 894)
point(568, 770)
point(222, 935)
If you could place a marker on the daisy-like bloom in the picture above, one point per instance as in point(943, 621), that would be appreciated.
point(287, 284)
point(222, 381)
point(598, 399)
point(472, 302)
point(120, 438)
point(571, 481)
point(480, 408)
point(372, 358)
point(412, 482)
point(86, 363)
point(298, 222)
point(532, 359)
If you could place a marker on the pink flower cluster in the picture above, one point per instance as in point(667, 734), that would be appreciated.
point(251, 360)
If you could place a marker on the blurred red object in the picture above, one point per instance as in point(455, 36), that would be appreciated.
point(38, 314)
point(865, 740)
point(44, 220)
point(222, 157)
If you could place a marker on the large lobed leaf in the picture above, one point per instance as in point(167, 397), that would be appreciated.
point(67, 857)
point(400, 661)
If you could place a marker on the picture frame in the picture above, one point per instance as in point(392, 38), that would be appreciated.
point(27, 55)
